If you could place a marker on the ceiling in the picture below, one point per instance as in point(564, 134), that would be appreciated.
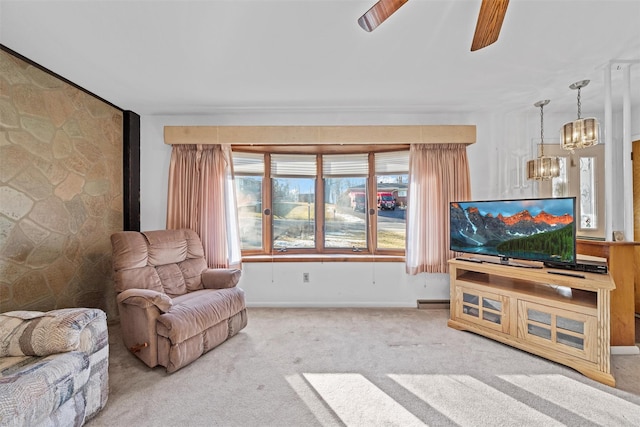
point(208, 57)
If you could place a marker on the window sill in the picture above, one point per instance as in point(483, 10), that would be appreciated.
point(323, 258)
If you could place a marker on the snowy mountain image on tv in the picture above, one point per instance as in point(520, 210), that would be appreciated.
point(533, 229)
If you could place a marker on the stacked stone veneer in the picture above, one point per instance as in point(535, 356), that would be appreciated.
point(60, 192)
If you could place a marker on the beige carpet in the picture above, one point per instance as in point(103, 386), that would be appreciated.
point(364, 367)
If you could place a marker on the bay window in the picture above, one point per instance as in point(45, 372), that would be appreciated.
point(324, 202)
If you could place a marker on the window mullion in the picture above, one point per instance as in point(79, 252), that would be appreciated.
point(267, 220)
point(320, 208)
point(372, 220)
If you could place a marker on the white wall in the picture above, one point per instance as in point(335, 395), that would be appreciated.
point(504, 143)
point(339, 284)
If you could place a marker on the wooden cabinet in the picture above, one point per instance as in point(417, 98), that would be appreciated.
point(620, 258)
point(561, 318)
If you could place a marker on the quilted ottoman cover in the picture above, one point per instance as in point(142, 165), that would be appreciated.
point(53, 367)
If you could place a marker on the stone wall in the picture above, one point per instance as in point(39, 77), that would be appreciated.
point(60, 192)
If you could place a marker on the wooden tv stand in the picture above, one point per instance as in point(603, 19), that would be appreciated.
point(561, 318)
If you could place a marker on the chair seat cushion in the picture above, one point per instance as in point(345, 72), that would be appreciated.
point(195, 312)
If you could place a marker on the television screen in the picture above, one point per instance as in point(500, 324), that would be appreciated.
point(529, 229)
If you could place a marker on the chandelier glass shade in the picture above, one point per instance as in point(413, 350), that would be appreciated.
point(579, 133)
point(543, 168)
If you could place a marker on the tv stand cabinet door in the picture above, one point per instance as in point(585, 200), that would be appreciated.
point(561, 330)
point(483, 308)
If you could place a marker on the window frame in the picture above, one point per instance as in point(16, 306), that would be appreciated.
point(574, 184)
point(320, 251)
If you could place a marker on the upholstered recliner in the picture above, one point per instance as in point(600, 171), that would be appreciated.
point(172, 307)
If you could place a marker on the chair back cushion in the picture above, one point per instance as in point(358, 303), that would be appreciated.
point(167, 261)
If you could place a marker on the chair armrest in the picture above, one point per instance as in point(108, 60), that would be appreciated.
point(144, 298)
point(220, 278)
point(34, 333)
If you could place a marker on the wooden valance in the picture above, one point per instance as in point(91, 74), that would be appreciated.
point(318, 135)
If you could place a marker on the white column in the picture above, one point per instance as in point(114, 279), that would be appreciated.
point(627, 164)
point(608, 156)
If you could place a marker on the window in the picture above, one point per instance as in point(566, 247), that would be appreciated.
point(293, 189)
point(249, 174)
point(582, 176)
point(351, 202)
point(345, 200)
point(392, 182)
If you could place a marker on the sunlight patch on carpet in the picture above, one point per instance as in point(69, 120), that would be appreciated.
point(358, 402)
point(593, 404)
point(468, 401)
point(310, 398)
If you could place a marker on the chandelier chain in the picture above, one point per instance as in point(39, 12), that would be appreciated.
point(542, 129)
point(579, 104)
point(541, 125)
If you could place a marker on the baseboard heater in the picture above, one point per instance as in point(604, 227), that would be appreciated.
point(431, 304)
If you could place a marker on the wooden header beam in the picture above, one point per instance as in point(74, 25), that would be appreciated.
point(278, 135)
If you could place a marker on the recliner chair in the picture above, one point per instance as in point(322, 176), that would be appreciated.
point(172, 307)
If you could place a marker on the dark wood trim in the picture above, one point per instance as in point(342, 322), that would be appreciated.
point(131, 170)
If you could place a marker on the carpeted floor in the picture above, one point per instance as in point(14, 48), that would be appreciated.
point(363, 367)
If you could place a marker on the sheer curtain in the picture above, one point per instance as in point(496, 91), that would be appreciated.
point(202, 197)
point(438, 174)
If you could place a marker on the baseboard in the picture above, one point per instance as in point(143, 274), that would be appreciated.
point(329, 304)
point(433, 304)
point(625, 350)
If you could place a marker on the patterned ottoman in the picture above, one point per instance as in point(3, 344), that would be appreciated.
point(53, 366)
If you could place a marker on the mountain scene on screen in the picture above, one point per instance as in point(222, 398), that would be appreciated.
point(543, 236)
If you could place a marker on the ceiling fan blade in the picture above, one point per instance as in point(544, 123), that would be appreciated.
point(489, 23)
point(378, 13)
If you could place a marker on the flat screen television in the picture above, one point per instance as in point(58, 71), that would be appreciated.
point(527, 229)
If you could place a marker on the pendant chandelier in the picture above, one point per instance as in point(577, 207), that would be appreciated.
point(543, 168)
point(580, 133)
